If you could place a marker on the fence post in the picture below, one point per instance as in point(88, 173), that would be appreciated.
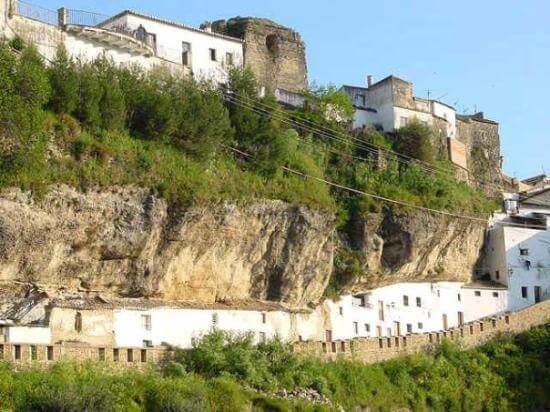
point(62, 17)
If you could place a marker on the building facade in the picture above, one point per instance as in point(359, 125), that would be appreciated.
point(471, 142)
point(208, 55)
point(518, 247)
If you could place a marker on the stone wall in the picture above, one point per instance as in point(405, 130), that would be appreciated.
point(276, 54)
point(372, 350)
point(116, 357)
point(482, 142)
point(368, 350)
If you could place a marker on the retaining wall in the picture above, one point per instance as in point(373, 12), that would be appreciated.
point(372, 350)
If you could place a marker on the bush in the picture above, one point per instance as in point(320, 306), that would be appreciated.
point(64, 82)
point(416, 140)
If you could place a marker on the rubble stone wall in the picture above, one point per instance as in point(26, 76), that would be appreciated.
point(276, 54)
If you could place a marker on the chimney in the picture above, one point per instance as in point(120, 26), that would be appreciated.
point(369, 80)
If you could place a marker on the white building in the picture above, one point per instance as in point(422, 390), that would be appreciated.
point(518, 242)
point(208, 55)
point(390, 104)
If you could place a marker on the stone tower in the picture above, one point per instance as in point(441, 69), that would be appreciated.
point(276, 54)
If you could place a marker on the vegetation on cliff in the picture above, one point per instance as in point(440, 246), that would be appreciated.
point(98, 124)
point(225, 373)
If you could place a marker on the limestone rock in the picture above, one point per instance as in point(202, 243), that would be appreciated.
point(129, 243)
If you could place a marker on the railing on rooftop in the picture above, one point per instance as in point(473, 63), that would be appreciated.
point(34, 12)
point(69, 17)
point(83, 18)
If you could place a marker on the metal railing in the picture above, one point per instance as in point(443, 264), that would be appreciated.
point(83, 18)
point(34, 12)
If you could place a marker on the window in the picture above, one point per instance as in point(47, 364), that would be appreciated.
point(420, 325)
point(264, 318)
point(341, 311)
point(403, 121)
point(524, 252)
point(362, 100)
point(405, 300)
point(356, 328)
point(524, 294)
point(49, 353)
point(229, 59)
point(214, 319)
point(409, 328)
point(367, 327)
point(438, 293)
point(419, 302)
point(477, 293)
point(17, 352)
point(497, 274)
point(78, 322)
point(146, 322)
point(147, 344)
point(459, 297)
point(495, 294)
point(186, 53)
point(213, 56)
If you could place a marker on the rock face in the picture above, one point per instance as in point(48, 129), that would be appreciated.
point(398, 247)
point(127, 242)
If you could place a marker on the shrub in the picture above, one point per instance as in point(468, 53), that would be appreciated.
point(64, 82)
point(415, 140)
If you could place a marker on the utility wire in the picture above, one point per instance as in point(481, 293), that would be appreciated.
point(357, 191)
point(344, 138)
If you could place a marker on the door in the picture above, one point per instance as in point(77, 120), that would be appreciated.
point(537, 294)
point(445, 322)
point(460, 319)
point(397, 328)
point(380, 310)
point(329, 335)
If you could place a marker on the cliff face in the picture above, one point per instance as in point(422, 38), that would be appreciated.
point(126, 242)
point(398, 246)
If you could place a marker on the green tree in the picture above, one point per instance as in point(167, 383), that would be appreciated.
point(416, 140)
point(64, 82)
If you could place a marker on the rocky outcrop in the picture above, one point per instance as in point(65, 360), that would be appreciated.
point(127, 242)
point(411, 246)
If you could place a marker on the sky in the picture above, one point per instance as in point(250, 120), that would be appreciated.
point(485, 55)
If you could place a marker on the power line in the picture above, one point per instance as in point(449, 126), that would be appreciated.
point(344, 138)
point(357, 191)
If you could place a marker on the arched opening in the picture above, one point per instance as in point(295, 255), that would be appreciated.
point(272, 42)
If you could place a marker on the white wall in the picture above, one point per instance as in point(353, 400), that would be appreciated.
point(179, 327)
point(169, 46)
point(491, 301)
point(28, 335)
point(537, 242)
point(447, 113)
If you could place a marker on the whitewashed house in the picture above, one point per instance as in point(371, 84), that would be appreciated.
point(518, 242)
point(389, 104)
point(208, 55)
